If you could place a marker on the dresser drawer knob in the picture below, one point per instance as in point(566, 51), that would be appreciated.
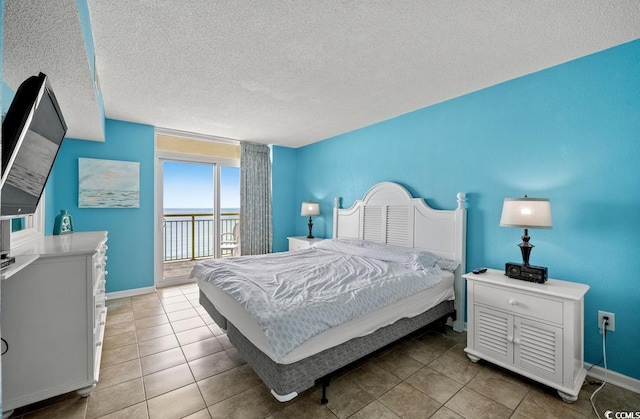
point(98, 343)
point(513, 302)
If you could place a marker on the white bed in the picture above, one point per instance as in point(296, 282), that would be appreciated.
point(387, 214)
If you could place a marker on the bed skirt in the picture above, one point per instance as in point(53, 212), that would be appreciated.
point(285, 379)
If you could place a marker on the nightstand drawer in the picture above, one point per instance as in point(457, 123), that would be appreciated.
point(518, 303)
point(295, 245)
point(301, 242)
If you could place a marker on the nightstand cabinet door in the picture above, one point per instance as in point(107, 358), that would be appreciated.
point(538, 348)
point(494, 333)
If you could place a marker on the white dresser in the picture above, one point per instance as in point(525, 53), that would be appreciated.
point(53, 318)
point(301, 242)
point(535, 330)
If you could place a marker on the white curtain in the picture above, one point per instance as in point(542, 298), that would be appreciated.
point(255, 199)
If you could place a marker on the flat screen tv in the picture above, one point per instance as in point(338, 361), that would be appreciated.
point(32, 133)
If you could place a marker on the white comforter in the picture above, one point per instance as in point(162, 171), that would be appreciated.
point(294, 296)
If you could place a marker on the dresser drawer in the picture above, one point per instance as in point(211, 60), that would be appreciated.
point(98, 270)
point(99, 304)
point(518, 303)
point(98, 339)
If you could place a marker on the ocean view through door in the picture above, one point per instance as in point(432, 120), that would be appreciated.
point(201, 215)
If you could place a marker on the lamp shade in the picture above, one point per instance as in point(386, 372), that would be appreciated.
point(310, 208)
point(526, 213)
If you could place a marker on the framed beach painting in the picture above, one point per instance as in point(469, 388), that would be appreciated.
point(108, 183)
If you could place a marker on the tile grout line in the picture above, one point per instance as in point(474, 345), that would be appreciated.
point(189, 366)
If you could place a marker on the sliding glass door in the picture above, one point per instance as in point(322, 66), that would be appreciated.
point(229, 221)
point(200, 215)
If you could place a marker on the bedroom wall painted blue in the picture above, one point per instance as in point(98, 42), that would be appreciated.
point(569, 133)
point(283, 180)
point(130, 242)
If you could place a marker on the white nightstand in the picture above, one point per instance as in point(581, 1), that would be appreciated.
point(301, 242)
point(535, 330)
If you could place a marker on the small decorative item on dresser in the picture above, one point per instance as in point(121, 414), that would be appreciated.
point(63, 223)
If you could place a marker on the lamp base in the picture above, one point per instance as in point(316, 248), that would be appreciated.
point(310, 236)
point(525, 247)
point(538, 274)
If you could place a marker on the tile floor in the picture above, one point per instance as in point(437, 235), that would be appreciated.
point(164, 357)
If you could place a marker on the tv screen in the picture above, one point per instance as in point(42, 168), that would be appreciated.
point(32, 133)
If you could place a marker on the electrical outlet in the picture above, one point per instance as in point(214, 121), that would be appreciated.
point(611, 321)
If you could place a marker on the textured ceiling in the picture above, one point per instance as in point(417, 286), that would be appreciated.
point(294, 72)
point(46, 36)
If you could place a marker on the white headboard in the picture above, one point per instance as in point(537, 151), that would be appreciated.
point(389, 214)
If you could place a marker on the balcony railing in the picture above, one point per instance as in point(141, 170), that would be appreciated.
point(191, 236)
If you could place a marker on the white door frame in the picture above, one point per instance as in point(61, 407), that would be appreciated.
point(160, 158)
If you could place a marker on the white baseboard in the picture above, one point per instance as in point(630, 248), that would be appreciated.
point(614, 378)
point(130, 293)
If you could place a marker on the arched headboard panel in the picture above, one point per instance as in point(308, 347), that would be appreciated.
point(389, 214)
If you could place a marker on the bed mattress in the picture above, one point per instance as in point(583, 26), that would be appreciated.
point(408, 307)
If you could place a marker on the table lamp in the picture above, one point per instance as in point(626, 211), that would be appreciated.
point(310, 209)
point(526, 213)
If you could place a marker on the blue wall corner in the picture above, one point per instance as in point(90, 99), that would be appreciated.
point(50, 208)
point(131, 231)
point(283, 180)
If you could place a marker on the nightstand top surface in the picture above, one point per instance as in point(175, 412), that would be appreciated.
point(553, 287)
point(305, 238)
